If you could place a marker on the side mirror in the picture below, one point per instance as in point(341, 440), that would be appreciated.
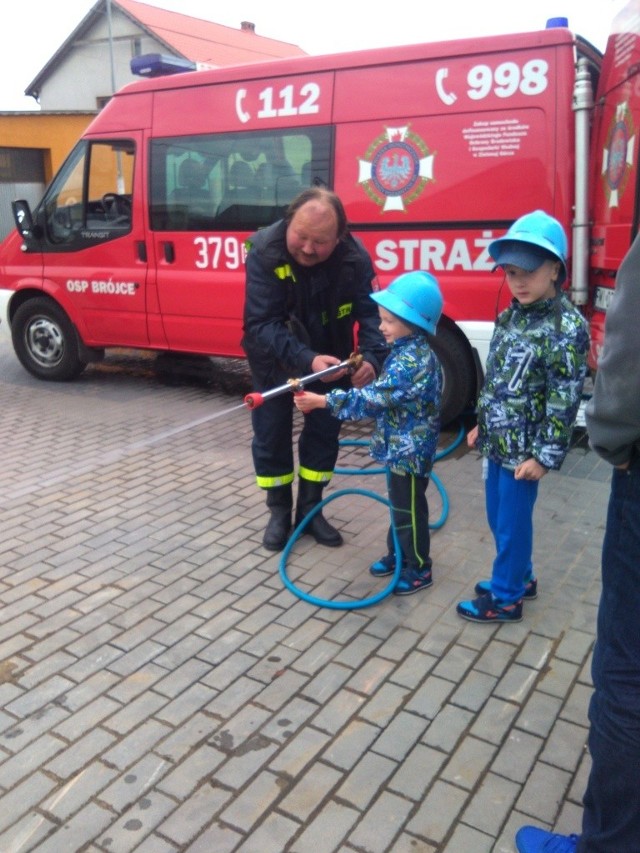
point(23, 217)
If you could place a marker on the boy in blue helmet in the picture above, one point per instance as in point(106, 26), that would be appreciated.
point(527, 406)
point(405, 402)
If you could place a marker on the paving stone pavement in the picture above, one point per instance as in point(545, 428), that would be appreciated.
point(162, 690)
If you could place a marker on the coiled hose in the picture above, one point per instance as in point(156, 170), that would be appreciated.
point(388, 589)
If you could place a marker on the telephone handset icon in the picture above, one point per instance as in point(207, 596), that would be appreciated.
point(447, 98)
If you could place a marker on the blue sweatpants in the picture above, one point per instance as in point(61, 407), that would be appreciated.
point(510, 504)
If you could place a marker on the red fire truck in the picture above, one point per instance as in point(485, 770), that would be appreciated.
point(614, 209)
point(434, 148)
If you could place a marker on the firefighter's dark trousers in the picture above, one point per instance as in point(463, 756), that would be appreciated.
point(272, 446)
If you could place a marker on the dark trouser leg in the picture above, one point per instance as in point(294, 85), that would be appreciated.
point(272, 451)
point(272, 444)
point(318, 448)
point(318, 444)
point(410, 517)
point(611, 817)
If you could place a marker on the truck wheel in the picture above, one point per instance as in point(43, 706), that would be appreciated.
point(459, 373)
point(45, 341)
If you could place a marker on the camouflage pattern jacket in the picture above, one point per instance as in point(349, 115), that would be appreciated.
point(405, 402)
point(535, 373)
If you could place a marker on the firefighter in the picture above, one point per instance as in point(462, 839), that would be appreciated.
point(308, 282)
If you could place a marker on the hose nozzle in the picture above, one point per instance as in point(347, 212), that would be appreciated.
point(257, 398)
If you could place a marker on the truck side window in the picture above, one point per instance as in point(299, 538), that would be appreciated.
point(91, 199)
point(234, 181)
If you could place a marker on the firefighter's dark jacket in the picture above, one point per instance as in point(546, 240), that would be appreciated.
point(294, 313)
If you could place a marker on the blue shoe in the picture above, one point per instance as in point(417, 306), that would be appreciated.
point(530, 588)
point(384, 566)
point(486, 609)
point(530, 839)
point(411, 581)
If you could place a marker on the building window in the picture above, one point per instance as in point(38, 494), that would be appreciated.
point(21, 166)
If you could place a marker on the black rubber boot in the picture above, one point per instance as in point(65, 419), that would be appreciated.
point(309, 496)
point(280, 503)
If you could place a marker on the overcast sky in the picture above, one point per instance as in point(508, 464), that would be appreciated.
point(34, 30)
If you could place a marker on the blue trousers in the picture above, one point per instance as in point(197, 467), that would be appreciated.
point(510, 504)
point(611, 816)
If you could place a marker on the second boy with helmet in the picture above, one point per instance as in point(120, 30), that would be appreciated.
point(527, 406)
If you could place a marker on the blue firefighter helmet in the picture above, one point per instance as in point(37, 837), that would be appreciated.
point(414, 297)
point(532, 239)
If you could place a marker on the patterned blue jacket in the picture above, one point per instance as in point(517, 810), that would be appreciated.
point(405, 402)
point(534, 377)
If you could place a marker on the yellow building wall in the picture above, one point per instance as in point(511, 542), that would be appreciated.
point(54, 133)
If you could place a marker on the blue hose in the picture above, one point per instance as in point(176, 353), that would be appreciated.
point(374, 599)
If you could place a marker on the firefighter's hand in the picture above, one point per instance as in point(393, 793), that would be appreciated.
point(530, 469)
point(363, 375)
point(472, 437)
point(307, 401)
point(321, 362)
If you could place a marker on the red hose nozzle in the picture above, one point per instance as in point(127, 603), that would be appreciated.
point(253, 400)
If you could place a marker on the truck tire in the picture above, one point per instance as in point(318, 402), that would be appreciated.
point(45, 341)
point(458, 370)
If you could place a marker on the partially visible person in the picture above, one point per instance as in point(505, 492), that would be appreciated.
point(611, 814)
point(405, 402)
point(308, 282)
point(527, 407)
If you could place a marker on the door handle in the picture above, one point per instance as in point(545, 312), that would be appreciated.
point(169, 252)
point(141, 247)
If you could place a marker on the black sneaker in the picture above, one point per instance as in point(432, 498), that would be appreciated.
point(411, 581)
point(384, 566)
point(486, 609)
point(530, 588)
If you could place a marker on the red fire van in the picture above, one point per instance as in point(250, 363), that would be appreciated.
point(434, 148)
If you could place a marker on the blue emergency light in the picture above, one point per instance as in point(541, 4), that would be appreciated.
point(158, 64)
point(552, 23)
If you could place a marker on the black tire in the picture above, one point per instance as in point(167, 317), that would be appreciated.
point(459, 372)
point(45, 341)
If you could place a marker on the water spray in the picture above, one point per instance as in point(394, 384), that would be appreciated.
point(257, 398)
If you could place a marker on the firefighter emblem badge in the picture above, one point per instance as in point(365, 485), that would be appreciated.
point(617, 157)
point(396, 168)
